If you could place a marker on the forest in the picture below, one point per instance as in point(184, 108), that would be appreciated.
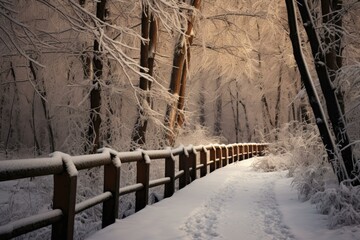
point(79, 75)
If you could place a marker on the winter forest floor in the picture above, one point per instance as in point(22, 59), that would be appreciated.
point(234, 202)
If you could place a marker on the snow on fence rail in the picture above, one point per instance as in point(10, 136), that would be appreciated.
point(65, 170)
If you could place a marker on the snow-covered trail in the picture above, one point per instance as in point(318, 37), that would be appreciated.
point(234, 202)
point(231, 203)
point(243, 206)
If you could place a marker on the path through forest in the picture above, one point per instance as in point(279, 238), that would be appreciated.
point(234, 202)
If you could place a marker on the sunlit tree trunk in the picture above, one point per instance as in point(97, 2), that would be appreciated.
point(181, 102)
point(178, 78)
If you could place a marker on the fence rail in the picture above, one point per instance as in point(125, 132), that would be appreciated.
point(65, 169)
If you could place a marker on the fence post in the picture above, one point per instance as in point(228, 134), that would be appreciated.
point(224, 156)
point(236, 152)
point(142, 176)
point(241, 152)
point(213, 158)
point(65, 199)
point(170, 172)
point(192, 159)
point(231, 153)
point(184, 165)
point(111, 184)
point(246, 151)
point(218, 156)
point(204, 156)
point(249, 150)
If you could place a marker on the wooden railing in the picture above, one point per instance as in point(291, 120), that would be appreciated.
point(65, 169)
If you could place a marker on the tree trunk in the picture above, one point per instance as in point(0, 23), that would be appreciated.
point(332, 104)
point(249, 136)
point(234, 100)
point(15, 101)
point(202, 106)
point(314, 101)
point(278, 101)
point(178, 78)
point(33, 126)
point(43, 95)
point(266, 110)
point(149, 31)
point(95, 93)
point(331, 17)
point(109, 111)
point(218, 109)
point(181, 102)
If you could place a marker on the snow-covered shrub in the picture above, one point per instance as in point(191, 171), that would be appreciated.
point(309, 180)
point(300, 151)
point(273, 162)
point(342, 204)
point(197, 135)
point(23, 198)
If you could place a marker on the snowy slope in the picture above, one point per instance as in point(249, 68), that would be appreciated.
point(234, 202)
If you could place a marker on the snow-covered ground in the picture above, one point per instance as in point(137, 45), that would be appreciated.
point(234, 202)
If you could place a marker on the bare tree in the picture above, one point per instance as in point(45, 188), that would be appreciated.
point(333, 108)
point(334, 156)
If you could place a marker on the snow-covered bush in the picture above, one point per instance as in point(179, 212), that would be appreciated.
point(342, 204)
point(300, 151)
point(298, 146)
point(197, 135)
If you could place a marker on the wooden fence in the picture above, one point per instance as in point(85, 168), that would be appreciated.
point(65, 169)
